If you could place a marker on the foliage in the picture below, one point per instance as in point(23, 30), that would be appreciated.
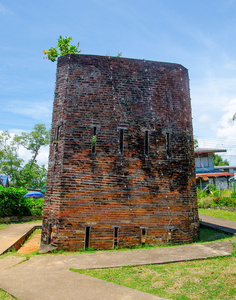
point(10, 163)
point(218, 160)
point(34, 140)
point(94, 140)
point(63, 48)
point(30, 174)
point(225, 201)
point(213, 197)
point(12, 203)
point(195, 143)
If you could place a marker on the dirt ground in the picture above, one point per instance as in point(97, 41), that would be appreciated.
point(31, 245)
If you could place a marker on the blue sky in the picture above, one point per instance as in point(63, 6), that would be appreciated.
point(200, 35)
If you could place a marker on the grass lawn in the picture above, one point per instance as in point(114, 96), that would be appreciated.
point(3, 225)
point(6, 296)
point(218, 213)
point(208, 234)
point(201, 279)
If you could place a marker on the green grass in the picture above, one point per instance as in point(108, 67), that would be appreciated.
point(210, 235)
point(218, 213)
point(201, 279)
point(29, 222)
point(5, 296)
point(3, 225)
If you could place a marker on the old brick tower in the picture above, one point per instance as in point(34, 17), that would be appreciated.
point(121, 166)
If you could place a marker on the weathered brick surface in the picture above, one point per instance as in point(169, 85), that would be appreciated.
point(107, 189)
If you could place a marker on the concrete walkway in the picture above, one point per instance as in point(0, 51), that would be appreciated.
point(14, 235)
point(217, 223)
point(48, 276)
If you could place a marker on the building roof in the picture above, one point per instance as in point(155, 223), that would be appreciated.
point(224, 167)
point(206, 176)
point(208, 150)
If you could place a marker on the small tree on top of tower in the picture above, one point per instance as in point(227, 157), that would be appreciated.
point(63, 48)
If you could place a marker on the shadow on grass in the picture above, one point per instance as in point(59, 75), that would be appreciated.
point(212, 235)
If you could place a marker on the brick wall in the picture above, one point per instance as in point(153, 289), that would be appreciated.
point(121, 166)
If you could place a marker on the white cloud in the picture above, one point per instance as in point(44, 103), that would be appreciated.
point(225, 130)
point(5, 11)
point(42, 158)
point(205, 118)
point(227, 127)
point(30, 109)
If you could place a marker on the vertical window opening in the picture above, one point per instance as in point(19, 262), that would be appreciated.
point(121, 141)
point(169, 236)
point(94, 139)
point(146, 143)
point(50, 234)
point(57, 134)
point(87, 237)
point(143, 236)
point(168, 144)
point(116, 237)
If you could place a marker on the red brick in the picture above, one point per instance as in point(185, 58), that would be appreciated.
point(108, 190)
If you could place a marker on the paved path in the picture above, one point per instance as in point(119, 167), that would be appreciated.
point(217, 223)
point(12, 234)
point(48, 276)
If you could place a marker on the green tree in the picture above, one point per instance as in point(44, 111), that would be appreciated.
point(30, 174)
point(10, 163)
point(195, 143)
point(34, 140)
point(218, 161)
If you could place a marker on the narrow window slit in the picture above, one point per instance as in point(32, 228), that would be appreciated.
point(146, 143)
point(168, 145)
point(121, 141)
point(87, 237)
point(57, 134)
point(143, 236)
point(169, 236)
point(50, 234)
point(94, 139)
point(116, 237)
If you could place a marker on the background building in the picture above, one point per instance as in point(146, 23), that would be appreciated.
point(207, 173)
